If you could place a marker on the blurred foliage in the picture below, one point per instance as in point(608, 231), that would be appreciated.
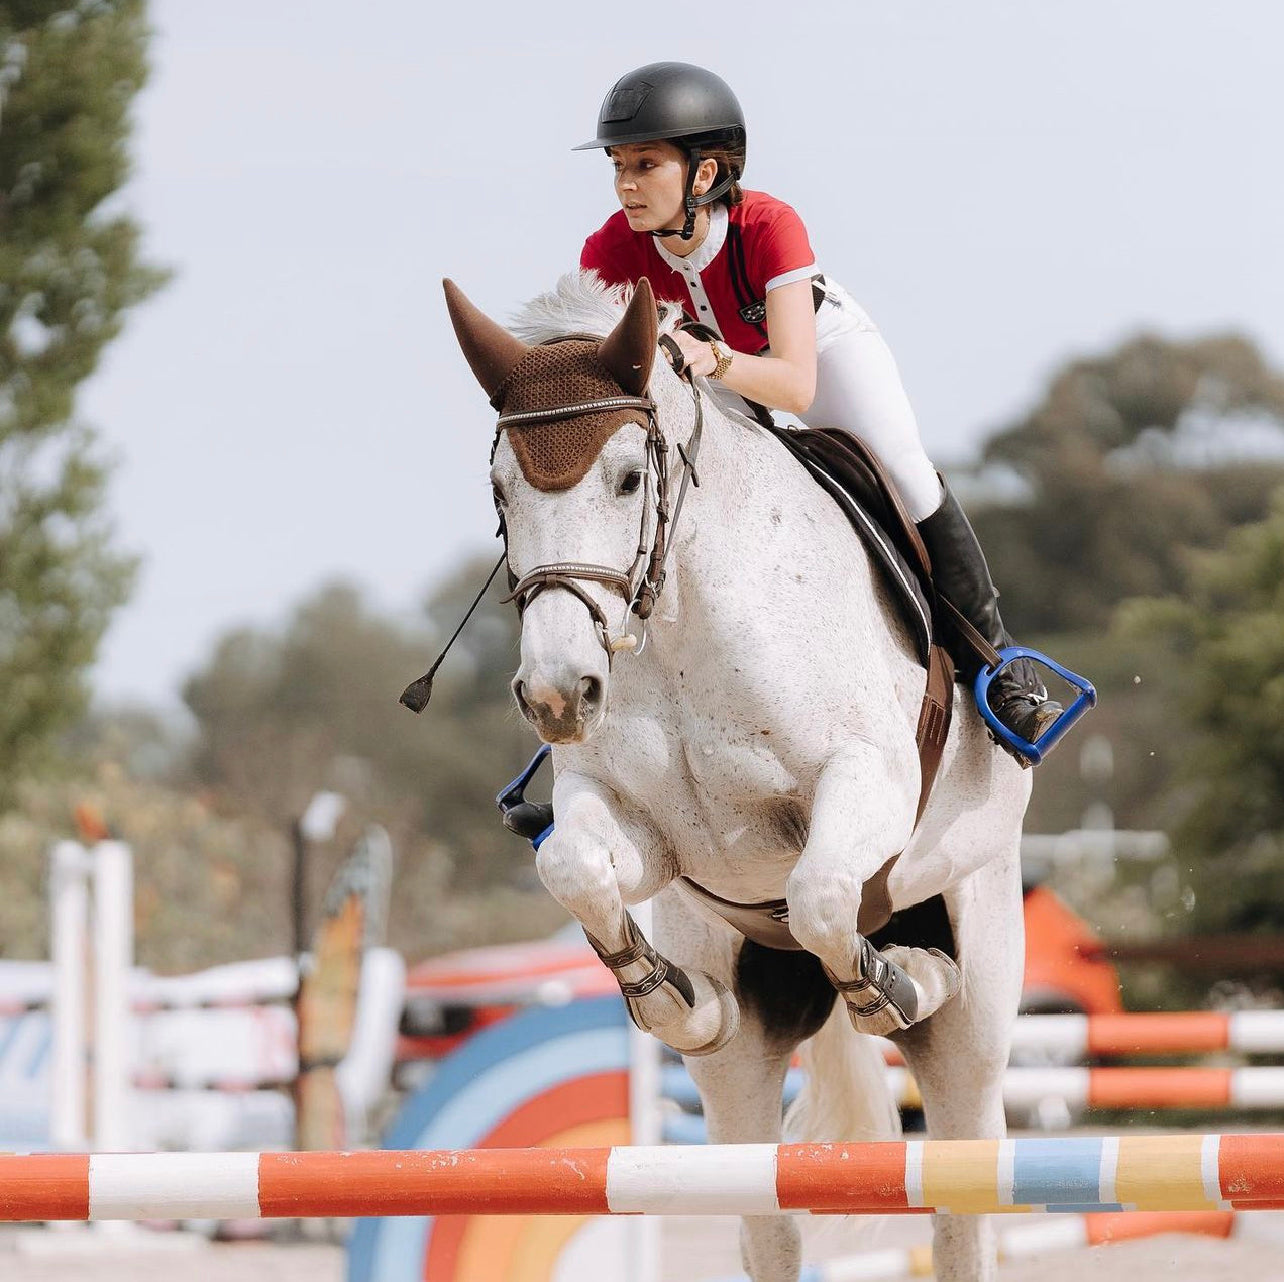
point(1225, 636)
point(212, 885)
point(1138, 689)
point(281, 714)
point(69, 269)
point(1129, 464)
point(1147, 556)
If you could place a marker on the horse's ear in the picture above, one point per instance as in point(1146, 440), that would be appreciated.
point(629, 349)
point(492, 352)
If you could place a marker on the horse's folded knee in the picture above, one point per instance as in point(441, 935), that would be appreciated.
point(822, 914)
point(573, 867)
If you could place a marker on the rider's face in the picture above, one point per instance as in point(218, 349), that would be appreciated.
point(650, 182)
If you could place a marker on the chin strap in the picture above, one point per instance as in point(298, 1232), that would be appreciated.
point(691, 202)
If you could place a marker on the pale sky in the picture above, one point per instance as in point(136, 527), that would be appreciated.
point(1001, 183)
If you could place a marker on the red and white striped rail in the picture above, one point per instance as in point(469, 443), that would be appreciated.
point(1172, 1172)
point(1128, 1087)
point(1249, 1032)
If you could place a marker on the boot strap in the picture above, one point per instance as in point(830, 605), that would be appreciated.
point(879, 983)
point(639, 949)
point(967, 630)
point(636, 949)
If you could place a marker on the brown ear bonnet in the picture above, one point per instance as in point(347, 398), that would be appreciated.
point(519, 379)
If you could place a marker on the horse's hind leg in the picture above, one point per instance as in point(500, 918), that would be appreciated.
point(783, 998)
point(593, 865)
point(959, 1056)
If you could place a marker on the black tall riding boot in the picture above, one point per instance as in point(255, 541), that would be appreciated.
point(1017, 696)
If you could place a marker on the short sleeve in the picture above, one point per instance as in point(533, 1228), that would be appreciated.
point(592, 259)
point(782, 250)
point(610, 252)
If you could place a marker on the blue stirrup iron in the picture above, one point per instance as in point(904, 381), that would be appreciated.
point(530, 819)
point(1033, 752)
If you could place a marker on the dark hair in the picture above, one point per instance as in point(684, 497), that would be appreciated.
point(730, 157)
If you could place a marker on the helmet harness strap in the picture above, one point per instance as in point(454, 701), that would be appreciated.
point(691, 202)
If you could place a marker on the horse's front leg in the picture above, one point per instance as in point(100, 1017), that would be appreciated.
point(862, 815)
point(595, 863)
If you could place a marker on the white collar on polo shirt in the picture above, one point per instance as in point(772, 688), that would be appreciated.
point(700, 258)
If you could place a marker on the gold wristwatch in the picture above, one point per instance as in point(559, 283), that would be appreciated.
point(722, 360)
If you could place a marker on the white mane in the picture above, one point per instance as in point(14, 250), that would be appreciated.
point(580, 303)
point(583, 303)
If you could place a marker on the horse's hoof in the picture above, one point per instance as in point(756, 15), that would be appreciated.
point(699, 1027)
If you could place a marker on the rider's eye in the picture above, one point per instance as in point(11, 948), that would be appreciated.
point(631, 482)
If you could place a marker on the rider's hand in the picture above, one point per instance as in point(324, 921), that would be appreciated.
point(697, 354)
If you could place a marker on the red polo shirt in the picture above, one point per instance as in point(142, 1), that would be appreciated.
point(714, 283)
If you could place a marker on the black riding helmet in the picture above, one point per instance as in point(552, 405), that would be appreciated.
point(686, 105)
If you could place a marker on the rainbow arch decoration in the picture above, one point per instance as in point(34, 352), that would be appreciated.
point(547, 1077)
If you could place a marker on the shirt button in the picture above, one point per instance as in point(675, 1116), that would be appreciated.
point(703, 308)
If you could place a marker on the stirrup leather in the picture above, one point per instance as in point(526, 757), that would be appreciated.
point(879, 983)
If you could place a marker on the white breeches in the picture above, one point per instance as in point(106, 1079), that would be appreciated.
point(858, 389)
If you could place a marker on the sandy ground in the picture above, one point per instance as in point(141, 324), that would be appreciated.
point(695, 1250)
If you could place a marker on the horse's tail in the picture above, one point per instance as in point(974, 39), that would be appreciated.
point(845, 1095)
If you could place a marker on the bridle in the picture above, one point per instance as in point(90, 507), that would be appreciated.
point(642, 583)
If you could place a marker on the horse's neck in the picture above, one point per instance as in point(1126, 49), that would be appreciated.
point(758, 519)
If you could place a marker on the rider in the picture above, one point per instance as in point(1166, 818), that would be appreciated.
point(791, 339)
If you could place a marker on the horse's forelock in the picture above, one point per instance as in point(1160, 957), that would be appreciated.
point(580, 303)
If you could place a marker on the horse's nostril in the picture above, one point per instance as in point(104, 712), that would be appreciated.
point(591, 691)
point(519, 694)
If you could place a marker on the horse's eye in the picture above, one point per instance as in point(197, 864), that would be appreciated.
point(631, 482)
point(498, 495)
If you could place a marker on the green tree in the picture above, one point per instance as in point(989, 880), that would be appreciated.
point(69, 269)
point(1129, 463)
point(1225, 637)
point(281, 714)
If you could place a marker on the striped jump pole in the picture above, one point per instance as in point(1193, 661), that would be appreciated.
point(1249, 1032)
point(1122, 1088)
point(1068, 1039)
point(1174, 1173)
point(1056, 1233)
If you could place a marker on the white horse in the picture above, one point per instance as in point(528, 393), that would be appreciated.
point(754, 736)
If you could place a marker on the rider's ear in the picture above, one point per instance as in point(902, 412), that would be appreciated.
point(629, 349)
point(492, 352)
